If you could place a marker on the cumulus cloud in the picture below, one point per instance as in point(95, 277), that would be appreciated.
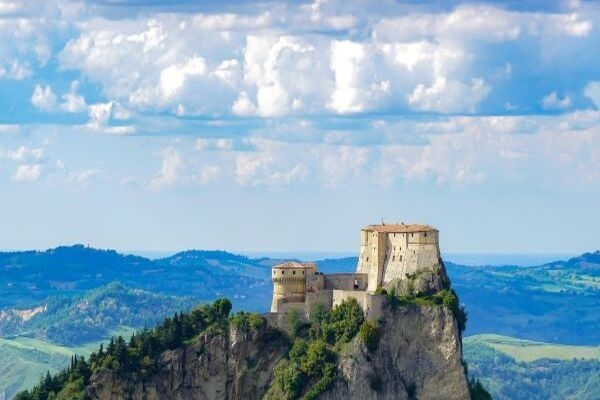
point(554, 102)
point(27, 173)
point(173, 77)
point(169, 171)
point(101, 114)
point(346, 58)
point(43, 98)
point(592, 91)
point(209, 174)
point(26, 154)
point(16, 71)
point(449, 96)
point(73, 102)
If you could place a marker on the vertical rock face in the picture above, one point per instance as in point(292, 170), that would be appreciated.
point(235, 366)
point(418, 356)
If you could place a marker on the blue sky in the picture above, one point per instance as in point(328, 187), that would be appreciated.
point(288, 125)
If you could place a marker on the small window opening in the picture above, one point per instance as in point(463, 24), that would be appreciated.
point(400, 258)
point(282, 272)
point(367, 258)
point(293, 272)
point(393, 258)
point(356, 284)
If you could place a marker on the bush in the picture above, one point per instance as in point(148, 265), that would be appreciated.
point(369, 333)
point(341, 324)
point(247, 321)
point(294, 321)
point(450, 300)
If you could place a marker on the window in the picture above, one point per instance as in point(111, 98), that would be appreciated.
point(293, 272)
point(425, 234)
point(355, 284)
point(282, 272)
point(302, 272)
point(393, 258)
point(367, 259)
point(400, 259)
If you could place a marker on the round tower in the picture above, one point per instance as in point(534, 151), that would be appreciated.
point(289, 283)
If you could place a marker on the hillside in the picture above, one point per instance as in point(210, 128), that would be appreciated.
point(28, 278)
point(539, 379)
point(207, 354)
point(553, 303)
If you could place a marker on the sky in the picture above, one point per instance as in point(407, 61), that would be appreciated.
point(287, 126)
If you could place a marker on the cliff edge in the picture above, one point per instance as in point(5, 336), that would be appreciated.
point(414, 353)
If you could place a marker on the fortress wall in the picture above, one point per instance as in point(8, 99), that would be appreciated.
point(374, 306)
point(413, 252)
point(346, 281)
point(282, 315)
point(323, 297)
point(341, 295)
point(314, 283)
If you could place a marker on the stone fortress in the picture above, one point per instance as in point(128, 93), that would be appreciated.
point(405, 257)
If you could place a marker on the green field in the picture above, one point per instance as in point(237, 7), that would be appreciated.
point(23, 360)
point(527, 350)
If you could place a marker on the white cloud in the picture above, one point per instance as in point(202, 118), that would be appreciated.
point(173, 77)
point(592, 91)
point(224, 144)
point(9, 128)
point(99, 114)
point(573, 26)
point(346, 59)
point(16, 71)
point(229, 71)
point(27, 173)
point(73, 102)
point(243, 106)
point(169, 172)
point(26, 154)
point(43, 98)
point(554, 102)
point(209, 174)
point(449, 96)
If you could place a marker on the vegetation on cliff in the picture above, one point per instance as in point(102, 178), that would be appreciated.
point(138, 357)
point(308, 369)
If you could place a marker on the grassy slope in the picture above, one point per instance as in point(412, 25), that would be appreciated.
point(23, 360)
point(527, 350)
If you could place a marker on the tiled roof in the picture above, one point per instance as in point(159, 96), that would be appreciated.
point(399, 228)
point(295, 264)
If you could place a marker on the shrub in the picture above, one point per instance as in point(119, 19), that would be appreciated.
point(341, 324)
point(369, 333)
point(294, 321)
point(246, 321)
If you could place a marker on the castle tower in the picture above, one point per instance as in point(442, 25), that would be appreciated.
point(289, 283)
point(392, 252)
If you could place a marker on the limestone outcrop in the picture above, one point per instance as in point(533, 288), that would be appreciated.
point(418, 356)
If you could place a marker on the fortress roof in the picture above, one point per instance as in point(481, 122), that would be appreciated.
point(295, 264)
point(399, 228)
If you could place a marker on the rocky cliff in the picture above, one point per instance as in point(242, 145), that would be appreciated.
point(417, 356)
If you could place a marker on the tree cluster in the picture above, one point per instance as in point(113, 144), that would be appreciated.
point(139, 356)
